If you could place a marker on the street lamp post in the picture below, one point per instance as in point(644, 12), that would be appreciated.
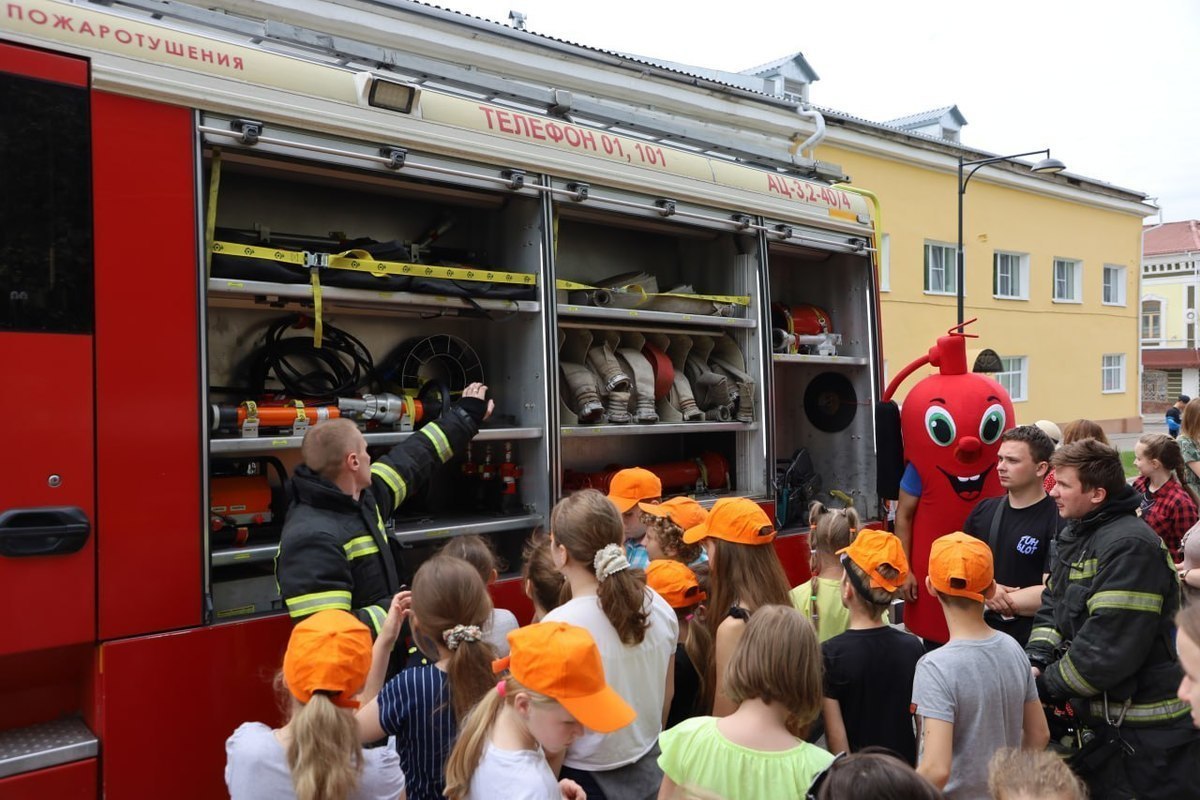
point(1046, 165)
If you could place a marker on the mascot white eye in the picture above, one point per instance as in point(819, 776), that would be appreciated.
point(940, 426)
point(992, 424)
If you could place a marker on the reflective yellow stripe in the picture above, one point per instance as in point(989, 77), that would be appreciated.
point(440, 442)
point(1126, 601)
point(1161, 711)
point(377, 616)
point(1083, 570)
point(393, 480)
point(1048, 635)
point(1074, 679)
point(307, 604)
point(360, 546)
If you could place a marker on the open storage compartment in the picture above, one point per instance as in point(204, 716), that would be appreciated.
point(461, 302)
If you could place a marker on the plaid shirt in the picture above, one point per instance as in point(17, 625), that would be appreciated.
point(1170, 511)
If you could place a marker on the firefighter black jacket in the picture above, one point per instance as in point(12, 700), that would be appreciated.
point(1106, 625)
point(333, 552)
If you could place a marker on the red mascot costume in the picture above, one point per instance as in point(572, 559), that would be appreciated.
point(951, 424)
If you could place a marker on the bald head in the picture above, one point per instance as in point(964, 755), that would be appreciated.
point(327, 444)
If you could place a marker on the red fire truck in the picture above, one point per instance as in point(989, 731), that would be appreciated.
point(209, 242)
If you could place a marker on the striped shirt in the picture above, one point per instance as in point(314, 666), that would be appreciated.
point(414, 706)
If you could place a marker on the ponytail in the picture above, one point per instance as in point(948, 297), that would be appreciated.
point(699, 647)
point(1167, 452)
point(473, 732)
point(470, 675)
point(585, 523)
point(324, 756)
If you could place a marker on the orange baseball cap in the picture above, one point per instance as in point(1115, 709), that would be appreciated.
point(562, 662)
point(629, 486)
point(674, 582)
point(960, 565)
point(328, 652)
point(683, 511)
point(872, 549)
point(734, 519)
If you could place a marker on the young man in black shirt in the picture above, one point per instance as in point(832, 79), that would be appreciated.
point(1019, 527)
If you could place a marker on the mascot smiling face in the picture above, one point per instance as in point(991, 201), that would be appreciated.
point(951, 424)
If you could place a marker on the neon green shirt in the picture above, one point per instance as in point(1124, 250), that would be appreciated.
point(705, 765)
point(833, 617)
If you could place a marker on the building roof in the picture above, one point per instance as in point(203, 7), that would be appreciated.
point(927, 118)
point(794, 66)
point(1171, 237)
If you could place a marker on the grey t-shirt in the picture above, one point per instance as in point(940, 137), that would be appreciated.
point(256, 767)
point(981, 687)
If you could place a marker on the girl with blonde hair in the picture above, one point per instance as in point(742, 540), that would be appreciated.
point(820, 598)
point(316, 755)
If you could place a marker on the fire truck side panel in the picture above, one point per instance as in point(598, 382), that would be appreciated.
point(42, 65)
point(147, 367)
point(170, 701)
point(74, 781)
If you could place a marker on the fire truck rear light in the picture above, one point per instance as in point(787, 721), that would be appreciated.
point(392, 96)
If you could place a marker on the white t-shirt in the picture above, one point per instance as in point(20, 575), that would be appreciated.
point(513, 775)
point(636, 672)
point(256, 768)
point(495, 632)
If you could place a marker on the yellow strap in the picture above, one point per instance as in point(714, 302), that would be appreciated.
point(299, 410)
point(633, 288)
point(410, 408)
point(210, 223)
point(318, 323)
point(251, 410)
point(359, 261)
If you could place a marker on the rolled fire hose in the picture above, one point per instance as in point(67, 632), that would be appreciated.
point(664, 370)
point(602, 360)
point(711, 389)
point(638, 366)
point(585, 392)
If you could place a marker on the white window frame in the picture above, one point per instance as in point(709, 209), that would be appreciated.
point(1076, 279)
point(1116, 369)
point(885, 262)
point(949, 272)
point(1015, 367)
point(1154, 341)
point(1020, 276)
point(1118, 284)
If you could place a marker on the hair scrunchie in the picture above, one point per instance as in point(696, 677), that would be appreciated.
point(462, 633)
point(608, 560)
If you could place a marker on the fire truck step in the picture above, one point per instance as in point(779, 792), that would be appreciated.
point(46, 744)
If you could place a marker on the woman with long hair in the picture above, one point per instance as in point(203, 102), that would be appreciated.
point(635, 631)
point(744, 575)
point(316, 755)
point(422, 706)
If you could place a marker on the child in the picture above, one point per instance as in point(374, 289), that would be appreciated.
point(666, 523)
point(555, 689)
point(423, 706)
point(874, 773)
point(477, 551)
point(830, 531)
point(317, 753)
point(677, 584)
point(869, 668)
point(774, 677)
point(626, 490)
point(975, 695)
point(635, 631)
point(744, 574)
point(542, 581)
point(1032, 775)
point(1168, 503)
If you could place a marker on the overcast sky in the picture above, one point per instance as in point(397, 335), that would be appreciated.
point(1113, 88)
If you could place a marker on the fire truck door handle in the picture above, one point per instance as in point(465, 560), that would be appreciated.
point(48, 531)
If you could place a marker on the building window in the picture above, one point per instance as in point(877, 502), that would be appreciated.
point(1152, 321)
point(1015, 377)
point(1114, 285)
point(940, 262)
point(885, 262)
point(1112, 373)
point(1068, 281)
point(1010, 276)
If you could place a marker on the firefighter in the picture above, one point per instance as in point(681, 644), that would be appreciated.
point(334, 552)
point(1103, 638)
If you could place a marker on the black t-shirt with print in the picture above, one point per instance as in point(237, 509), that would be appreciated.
point(1022, 550)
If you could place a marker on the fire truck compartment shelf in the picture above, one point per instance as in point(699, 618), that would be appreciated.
point(633, 429)
point(444, 527)
point(46, 744)
point(244, 555)
point(258, 293)
point(848, 361)
point(268, 444)
point(632, 316)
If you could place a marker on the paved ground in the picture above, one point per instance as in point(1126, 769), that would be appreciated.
point(1126, 441)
